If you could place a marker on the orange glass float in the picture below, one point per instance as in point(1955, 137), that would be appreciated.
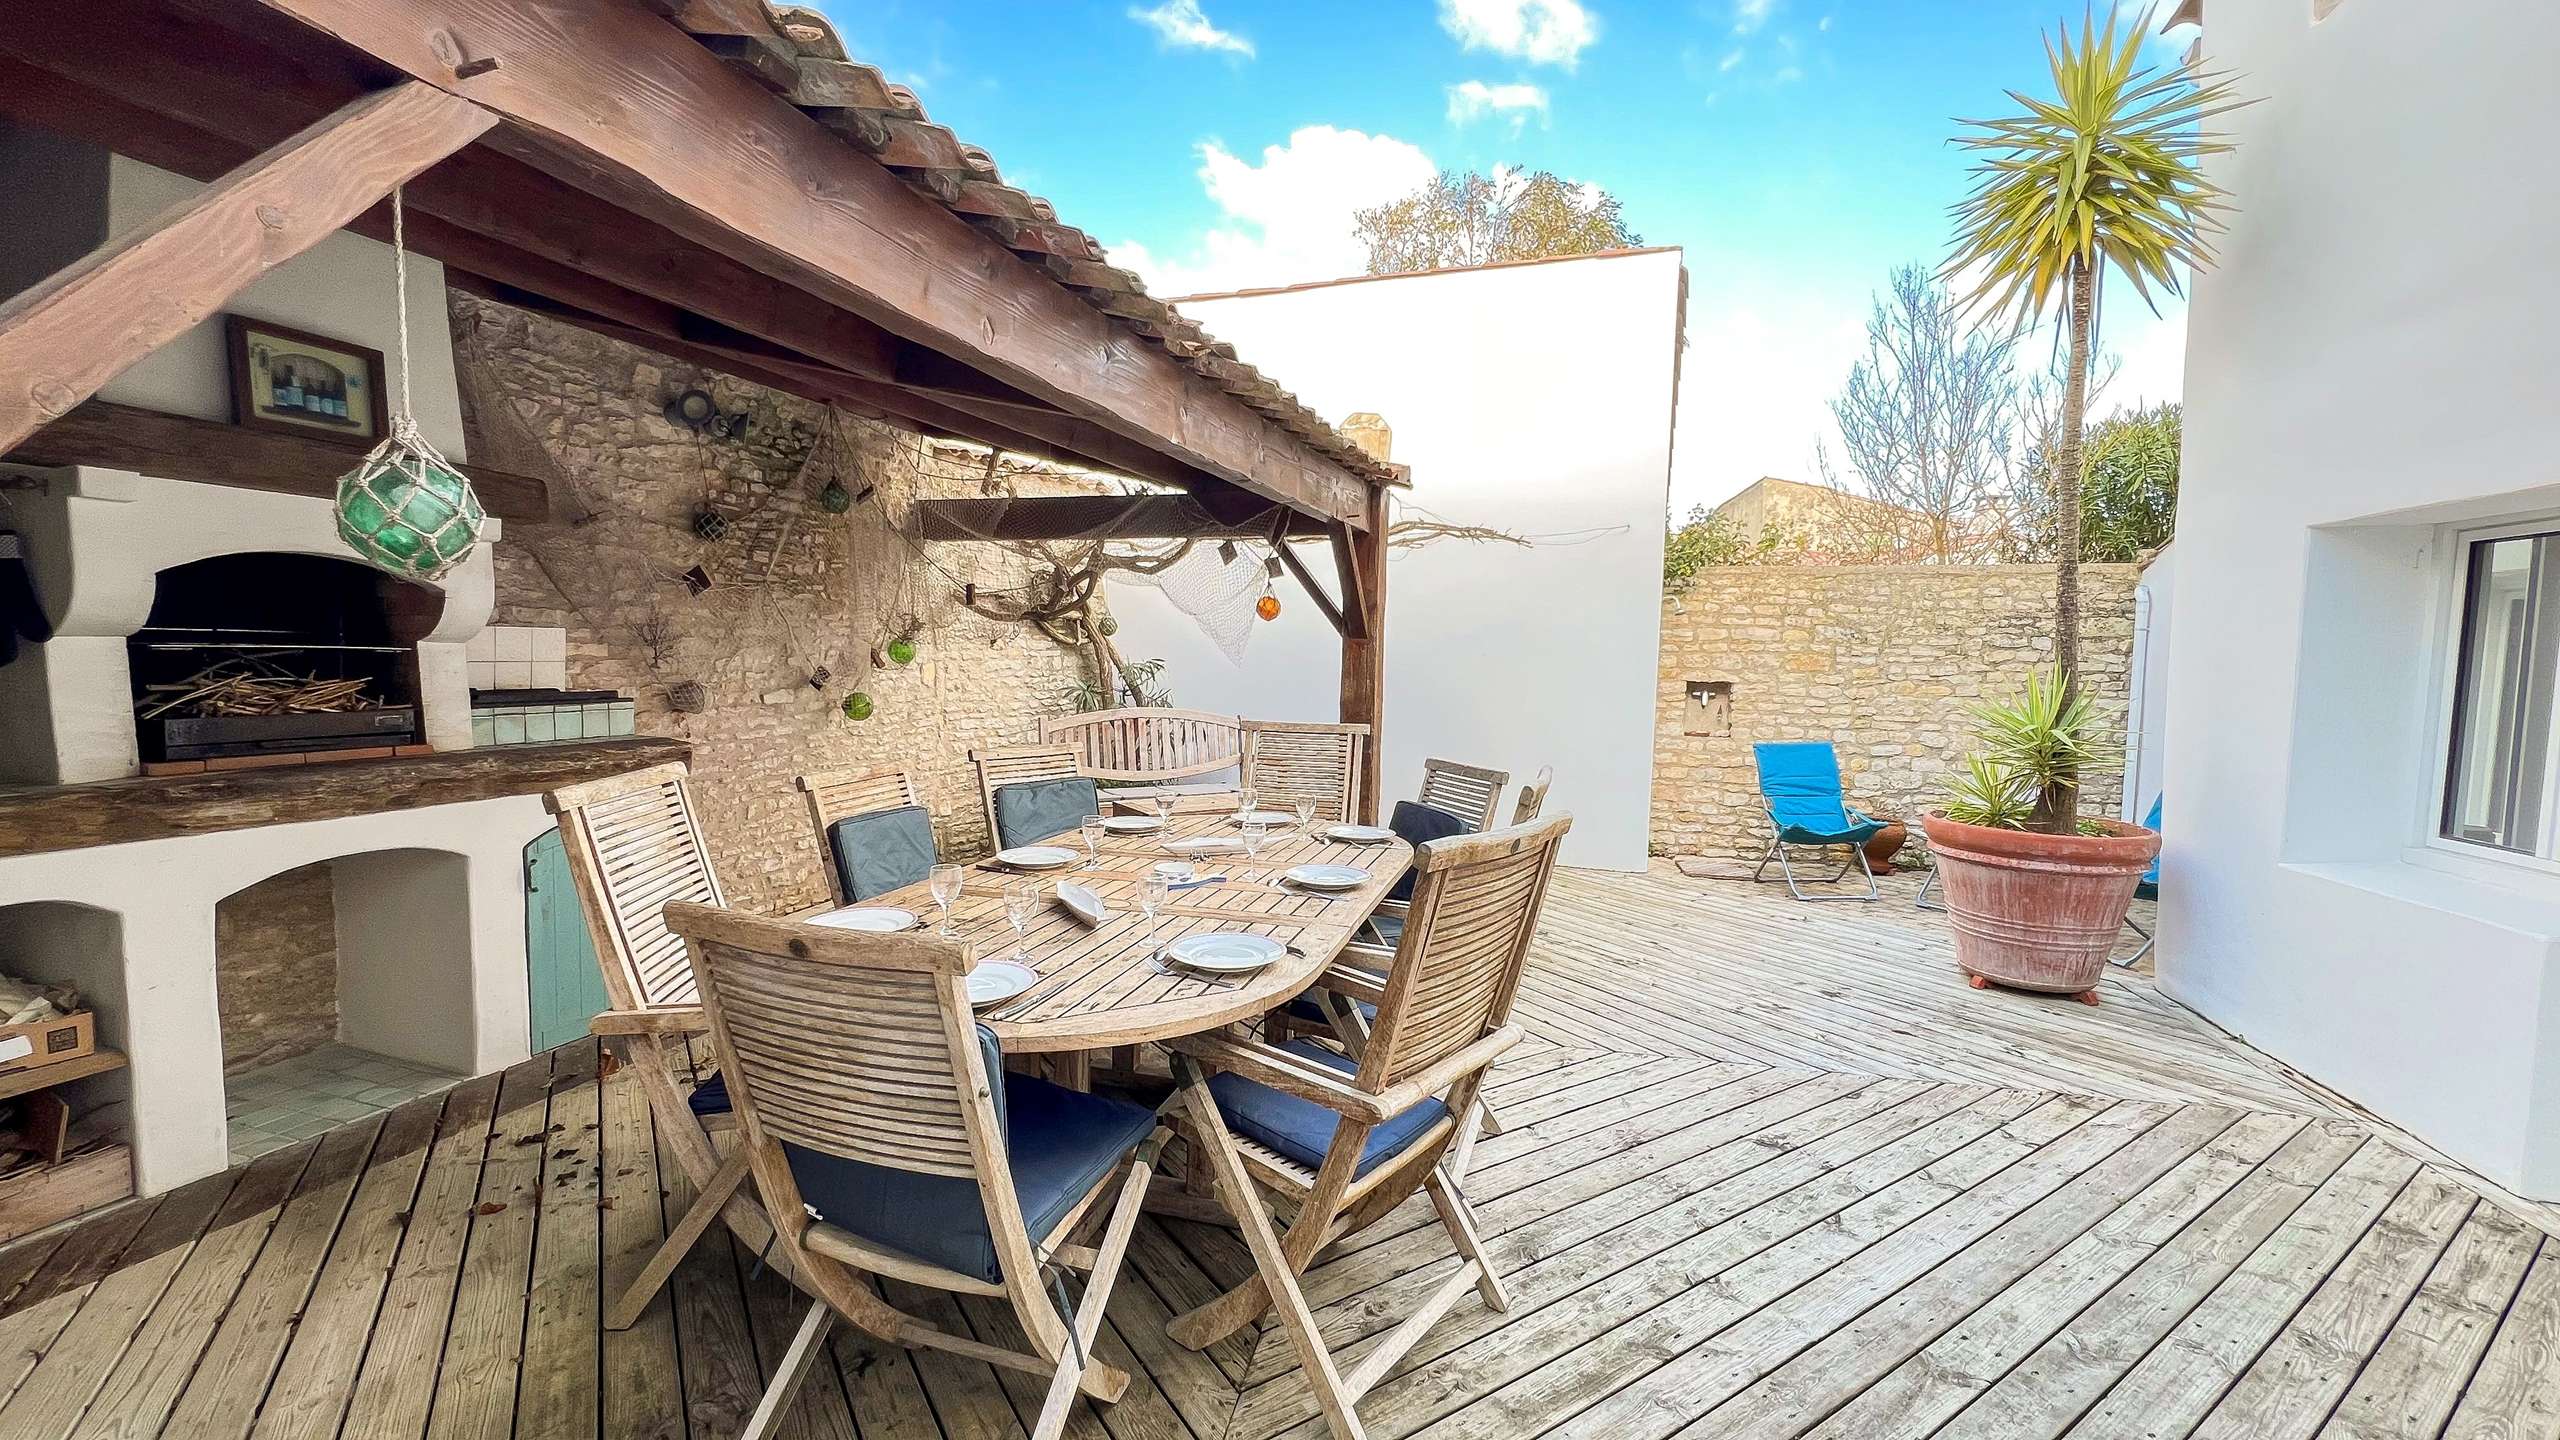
point(1268, 607)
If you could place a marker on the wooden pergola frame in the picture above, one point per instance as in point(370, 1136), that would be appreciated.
point(686, 175)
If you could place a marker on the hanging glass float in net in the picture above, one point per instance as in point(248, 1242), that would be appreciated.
point(405, 509)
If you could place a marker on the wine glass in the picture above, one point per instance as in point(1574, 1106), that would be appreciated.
point(1255, 831)
point(1244, 800)
point(1164, 807)
point(1153, 892)
point(945, 881)
point(1093, 832)
point(1306, 809)
point(1021, 904)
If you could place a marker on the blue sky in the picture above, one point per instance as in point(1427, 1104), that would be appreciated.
point(1794, 149)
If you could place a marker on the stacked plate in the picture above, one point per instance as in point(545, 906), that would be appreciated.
point(1224, 954)
point(1037, 857)
point(881, 918)
point(1360, 834)
point(1326, 877)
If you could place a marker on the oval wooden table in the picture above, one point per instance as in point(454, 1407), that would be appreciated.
point(1101, 987)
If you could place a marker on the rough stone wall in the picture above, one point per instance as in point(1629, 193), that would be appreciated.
point(1887, 662)
point(793, 588)
point(275, 968)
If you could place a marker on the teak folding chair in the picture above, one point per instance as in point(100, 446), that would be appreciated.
point(1469, 792)
point(1012, 765)
point(884, 1148)
point(633, 845)
point(1533, 796)
point(1343, 1139)
point(1285, 762)
point(835, 795)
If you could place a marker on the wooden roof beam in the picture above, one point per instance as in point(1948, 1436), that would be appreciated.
point(1095, 517)
point(71, 333)
point(715, 157)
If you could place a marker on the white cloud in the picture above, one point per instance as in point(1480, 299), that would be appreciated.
point(1750, 15)
point(1731, 59)
point(1542, 32)
point(1179, 23)
point(1472, 100)
point(1287, 218)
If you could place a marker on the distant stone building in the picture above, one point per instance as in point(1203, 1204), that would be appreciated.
point(1818, 524)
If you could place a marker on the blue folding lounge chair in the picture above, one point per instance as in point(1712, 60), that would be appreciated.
point(2147, 889)
point(1800, 792)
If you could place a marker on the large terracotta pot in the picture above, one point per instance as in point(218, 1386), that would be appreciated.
point(2038, 912)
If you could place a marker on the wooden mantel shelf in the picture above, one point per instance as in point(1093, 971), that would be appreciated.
point(37, 819)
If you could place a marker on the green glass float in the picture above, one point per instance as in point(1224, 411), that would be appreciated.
point(902, 651)
point(835, 498)
point(857, 706)
point(406, 510)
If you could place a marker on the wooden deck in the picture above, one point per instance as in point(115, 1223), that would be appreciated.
point(1769, 1171)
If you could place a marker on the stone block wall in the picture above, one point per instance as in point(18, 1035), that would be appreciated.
point(275, 968)
point(1886, 661)
point(792, 589)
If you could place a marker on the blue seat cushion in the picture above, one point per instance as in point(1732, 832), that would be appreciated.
point(1060, 1143)
point(1031, 811)
point(1860, 829)
point(1302, 1129)
point(711, 1097)
point(880, 850)
point(1418, 824)
point(1305, 1006)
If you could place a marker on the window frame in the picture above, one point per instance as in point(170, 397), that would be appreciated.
point(2452, 669)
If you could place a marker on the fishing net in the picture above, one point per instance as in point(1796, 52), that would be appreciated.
point(1216, 592)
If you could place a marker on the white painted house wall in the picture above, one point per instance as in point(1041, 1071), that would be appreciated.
point(2374, 358)
point(2146, 757)
point(1533, 398)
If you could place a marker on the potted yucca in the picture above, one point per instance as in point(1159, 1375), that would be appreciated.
point(2100, 177)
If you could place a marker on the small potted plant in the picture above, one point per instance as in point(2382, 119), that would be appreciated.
point(2036, 905)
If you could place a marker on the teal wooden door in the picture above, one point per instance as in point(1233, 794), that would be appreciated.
point(560, 960)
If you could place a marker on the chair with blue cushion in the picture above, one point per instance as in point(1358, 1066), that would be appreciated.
point(874, 834)
point(889, 1143)
point(1001, 767)
point(1801, 794)
point(1340, 1139)
point(1028, 812)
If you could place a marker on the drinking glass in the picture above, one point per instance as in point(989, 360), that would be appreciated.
point(1021, 903)
point(1244, 800)
point(1306, 814)
point(1164, 806)
point(1093, 832)
point(944, 881)
point(1153, 892)
point(1254, 833)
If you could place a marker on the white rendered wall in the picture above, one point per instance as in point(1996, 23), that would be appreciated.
point(2375, 356)
point(2147, 748)
point(1535, 399)
point(341, 288)
point(431, 942)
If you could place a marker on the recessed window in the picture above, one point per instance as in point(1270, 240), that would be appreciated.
point(2500, 772)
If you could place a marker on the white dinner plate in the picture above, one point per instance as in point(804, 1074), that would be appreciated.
point(883, 918)
point(1037, 857)
point(1132, 824)
point(1327, 877)
point(1205, 845)
point(1265, 817)
point(1222, 954)
point(1083, 902)
point(1360, 834)
point(994, 980)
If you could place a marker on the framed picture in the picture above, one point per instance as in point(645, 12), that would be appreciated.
point(288, 379)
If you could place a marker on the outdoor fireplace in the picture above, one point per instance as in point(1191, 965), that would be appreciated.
point(262, 654)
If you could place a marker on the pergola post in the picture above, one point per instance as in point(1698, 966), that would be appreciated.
point(71, 334)
point(1361, 556)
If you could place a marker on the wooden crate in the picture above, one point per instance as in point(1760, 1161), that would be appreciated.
point(36, 1197)
point(55, 1041)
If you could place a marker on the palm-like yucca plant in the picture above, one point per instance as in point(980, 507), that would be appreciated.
point(2050, 728)
point(2103, 176)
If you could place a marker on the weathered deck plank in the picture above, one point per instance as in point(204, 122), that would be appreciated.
point(1768, 1172)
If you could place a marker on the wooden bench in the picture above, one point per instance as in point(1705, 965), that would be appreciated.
point(1143, 745)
